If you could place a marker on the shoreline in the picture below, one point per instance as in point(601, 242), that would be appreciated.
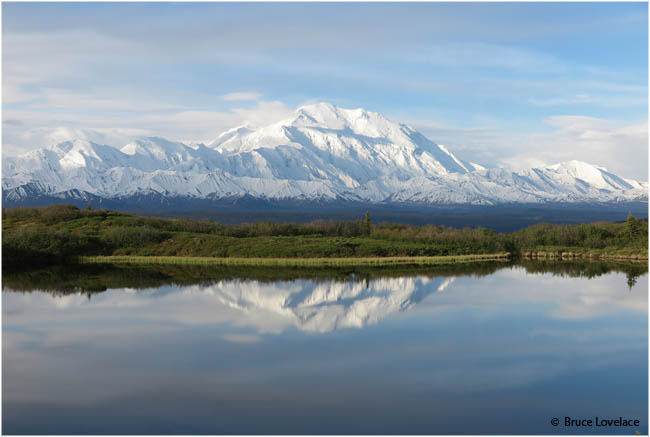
point(353, 261)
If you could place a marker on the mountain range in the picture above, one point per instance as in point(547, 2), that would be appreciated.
point(322, 153)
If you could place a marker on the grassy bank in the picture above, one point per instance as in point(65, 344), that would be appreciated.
point(295, 262)
point(58, 234)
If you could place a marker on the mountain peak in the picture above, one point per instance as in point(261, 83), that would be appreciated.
point(323, 114)
point(68, 145)
point(594, 175)
point(579, 169)
point(359, 121)
point(318, 107)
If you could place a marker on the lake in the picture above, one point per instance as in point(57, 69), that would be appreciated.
point(487, 349)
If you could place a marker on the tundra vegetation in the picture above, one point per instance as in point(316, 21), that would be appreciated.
point(65, 233)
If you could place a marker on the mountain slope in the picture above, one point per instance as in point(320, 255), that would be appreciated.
point(321, 153)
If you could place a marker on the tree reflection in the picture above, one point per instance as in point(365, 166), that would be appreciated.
point(91, 279)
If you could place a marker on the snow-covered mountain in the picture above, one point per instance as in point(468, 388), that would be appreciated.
point(321, 153)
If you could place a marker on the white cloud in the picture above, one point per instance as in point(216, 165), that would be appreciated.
point(245, 95)
point(15, 94)
point(98, 100)
point(621, 147)
point(25, 130)
point(626, 97)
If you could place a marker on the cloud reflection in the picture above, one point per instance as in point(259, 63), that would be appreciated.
point(268, 352)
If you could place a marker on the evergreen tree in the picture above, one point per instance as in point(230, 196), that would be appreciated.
point(633, 227)
point(367, 223)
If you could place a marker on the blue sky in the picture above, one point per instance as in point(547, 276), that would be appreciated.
point(511, 84)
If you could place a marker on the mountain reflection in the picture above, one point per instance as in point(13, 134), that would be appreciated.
point(326, 306)
point(271, 302)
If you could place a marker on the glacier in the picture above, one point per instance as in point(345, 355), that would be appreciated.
point(321, 153)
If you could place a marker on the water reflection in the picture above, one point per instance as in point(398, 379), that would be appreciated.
point(501, 349)
point(347, 299)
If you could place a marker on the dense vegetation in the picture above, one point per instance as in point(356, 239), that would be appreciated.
point(57, 233)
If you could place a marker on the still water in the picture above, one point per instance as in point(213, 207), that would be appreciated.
point(493, 350)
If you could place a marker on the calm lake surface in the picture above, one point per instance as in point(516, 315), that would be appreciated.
point(501, 349)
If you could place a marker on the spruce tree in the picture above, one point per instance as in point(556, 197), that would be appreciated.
point(367, 223)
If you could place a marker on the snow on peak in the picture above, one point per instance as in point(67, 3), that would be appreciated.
point(241, 130)
point(367, 141)
point(152, 146)
point(576, 167)
point(112, 137)
point(321, 152)
point(593, 175)
point(329, 115)
point(63, 134)
point(320, 111)
point(357, 120)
